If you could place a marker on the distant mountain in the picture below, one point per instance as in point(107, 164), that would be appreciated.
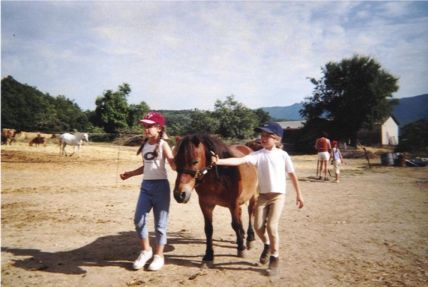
point(411, 109)
point(289, 113)
point(406, 111)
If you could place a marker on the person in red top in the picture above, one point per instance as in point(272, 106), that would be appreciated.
point(323, 147)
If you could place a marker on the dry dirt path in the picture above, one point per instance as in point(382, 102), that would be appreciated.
point(68, 222)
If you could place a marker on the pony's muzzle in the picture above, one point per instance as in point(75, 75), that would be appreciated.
point(182, 196)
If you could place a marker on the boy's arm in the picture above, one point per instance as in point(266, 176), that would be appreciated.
point(231, 161)
point(295, 182)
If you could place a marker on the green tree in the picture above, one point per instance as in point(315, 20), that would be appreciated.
point(262, 116)
point(178, 122)
point(203, 122)
point(28, 109)
point(351, 94)
point(69, 116)
point(136, 112)
point(236, 120)
point(414, 138)
point(24, 107)
point(111, 112)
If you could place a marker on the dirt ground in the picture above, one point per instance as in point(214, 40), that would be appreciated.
point(67, 221)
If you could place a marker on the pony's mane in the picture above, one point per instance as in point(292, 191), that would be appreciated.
point(185, 149)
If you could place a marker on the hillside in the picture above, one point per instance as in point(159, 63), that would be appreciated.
point(26, 108)
point(408, 110)
point(290, 113)
point(411, 109)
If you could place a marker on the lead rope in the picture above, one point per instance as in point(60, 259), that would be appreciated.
point(117, 165)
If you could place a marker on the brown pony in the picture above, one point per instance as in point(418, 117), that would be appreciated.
point(216, 185)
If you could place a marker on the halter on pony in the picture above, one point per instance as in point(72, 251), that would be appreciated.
point(198, 174)
point(186, 154)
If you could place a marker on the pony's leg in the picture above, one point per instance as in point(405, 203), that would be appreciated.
point(250, 230)
point(74, 150)
point(207, 211)
point(239, 230)
point(64, 152)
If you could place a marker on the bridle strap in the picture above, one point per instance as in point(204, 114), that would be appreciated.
point(198, 174)
point(190, 172)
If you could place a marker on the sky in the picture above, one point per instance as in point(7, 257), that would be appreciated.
point(187, 55)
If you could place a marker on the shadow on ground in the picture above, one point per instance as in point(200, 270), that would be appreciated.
point(118, 250)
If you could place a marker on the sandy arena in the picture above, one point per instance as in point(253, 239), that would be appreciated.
point(68, 221)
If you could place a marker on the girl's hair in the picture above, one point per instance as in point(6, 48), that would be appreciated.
point(156, 151)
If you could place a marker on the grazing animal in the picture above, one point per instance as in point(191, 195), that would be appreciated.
point(37, 141)
point(229, 187)
point(8, 136)
point(75, 140)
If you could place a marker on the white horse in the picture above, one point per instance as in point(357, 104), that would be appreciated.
point(74, 140)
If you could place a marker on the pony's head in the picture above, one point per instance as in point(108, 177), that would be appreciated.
point(193, 161)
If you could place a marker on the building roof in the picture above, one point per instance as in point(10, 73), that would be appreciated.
point(395, 119)
point(292, 124)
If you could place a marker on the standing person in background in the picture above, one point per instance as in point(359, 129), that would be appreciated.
point(336, 159)
point(273, 165)
point(154, 192)
point(323, 147)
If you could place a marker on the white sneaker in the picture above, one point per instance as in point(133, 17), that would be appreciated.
point(157, 263)
point(142, 259)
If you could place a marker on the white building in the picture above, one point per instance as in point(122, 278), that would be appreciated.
point(390, 132)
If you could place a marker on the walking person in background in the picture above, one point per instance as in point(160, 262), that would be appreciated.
point(154, 192)
point(323, 147)
point(273, 164)
point(336, 159)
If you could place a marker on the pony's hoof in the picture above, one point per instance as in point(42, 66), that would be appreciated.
point(241, 253)
point(249, 245)
point(207, 264)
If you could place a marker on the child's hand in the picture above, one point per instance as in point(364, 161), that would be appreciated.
point(214, 157)
point(125, 175)
point(299, 202)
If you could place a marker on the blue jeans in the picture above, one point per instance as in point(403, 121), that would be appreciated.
point(154, 194)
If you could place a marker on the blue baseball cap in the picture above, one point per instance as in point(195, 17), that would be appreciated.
point(271, 128)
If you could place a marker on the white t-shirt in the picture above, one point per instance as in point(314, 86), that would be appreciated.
point(272, 166)
point(154, 167)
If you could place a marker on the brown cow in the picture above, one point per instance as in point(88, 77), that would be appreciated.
point(38, 140)
point(8, 136)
